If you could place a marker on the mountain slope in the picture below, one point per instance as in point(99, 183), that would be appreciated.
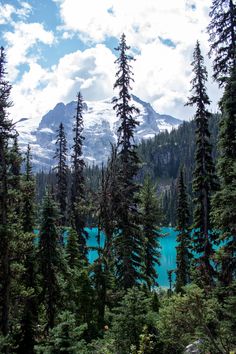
point(100, 126)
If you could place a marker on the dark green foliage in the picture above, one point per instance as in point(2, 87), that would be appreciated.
point(103, 281)
point(103, 268)
point(78, 187)
point(72, 249)
point(6, 132)
point(186, 318)
point(26, 337)
point(222, 31)
point(163, 156)
point(65, 338)
point(15, 161)
point(204, 182)
point(129, 320)
point(108, 199)
point(170, 280)
point(43, 180)
point(128, 237)
point(61, 173)
point(229, 317)
point(28, 197)
point(28, 323)
point(224, 201)
point(183, 255)
point(150, 221)
point(79, 292)
point(49, 259)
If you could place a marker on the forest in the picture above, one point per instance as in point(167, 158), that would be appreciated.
point(52, 299)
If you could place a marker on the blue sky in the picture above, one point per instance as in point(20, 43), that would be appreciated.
point(57, 47)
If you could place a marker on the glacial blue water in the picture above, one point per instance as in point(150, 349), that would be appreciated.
point(168, 251)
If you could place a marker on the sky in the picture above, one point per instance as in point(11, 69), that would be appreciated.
point(56, 48)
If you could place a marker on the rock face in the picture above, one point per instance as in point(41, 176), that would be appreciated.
point(100, 126)
point(193, 348)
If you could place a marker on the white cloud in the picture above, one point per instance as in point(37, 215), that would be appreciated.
point(7, 11)
point(143, 21)
point(90, 71)
point(19, 41)
point(162, 74)
point(80, 15)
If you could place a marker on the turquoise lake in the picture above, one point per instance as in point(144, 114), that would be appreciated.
point(168, 251)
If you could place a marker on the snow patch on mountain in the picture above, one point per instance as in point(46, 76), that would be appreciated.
point(100, 127)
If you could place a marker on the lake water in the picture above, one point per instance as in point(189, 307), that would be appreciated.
point(168, 252)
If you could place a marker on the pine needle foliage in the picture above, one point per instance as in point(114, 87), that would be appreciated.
point(204, 181)
point(183, 254)
point(128, 240)
point(78, 182)
point(222, 33)
point(61, 173)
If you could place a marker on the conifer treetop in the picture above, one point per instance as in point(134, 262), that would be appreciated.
point(5, 103)
point(199, 94)
point(222, 36)
point(124, 109)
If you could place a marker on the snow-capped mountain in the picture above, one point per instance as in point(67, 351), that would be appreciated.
point(100, 126)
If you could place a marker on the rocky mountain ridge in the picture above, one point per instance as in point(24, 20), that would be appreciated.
point(100, 126)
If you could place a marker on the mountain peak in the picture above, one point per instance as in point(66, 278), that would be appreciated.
point(100, 127)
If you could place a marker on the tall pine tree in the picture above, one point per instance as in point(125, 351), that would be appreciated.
point(49, 259)
point(28, 322)
point(222, 31)
point(108, 199)
point(5, 135)
point(28, 198)
point(78, 181)
point(204, 182)
point(128, 237)
point(183, 255)
point(79, 291)
point(150, 221)
point(62, 173)
point(224, 201)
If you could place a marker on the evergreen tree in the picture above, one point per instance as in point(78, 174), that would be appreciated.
point(150, 221)
point(78, 182)
point(28, 198)
point(222, 31)
point(79, 291)
point(108, 199)
point(224, 201)
point(72, 249)
point(49, 259)
point(65, 338)
point(15, 160)
point(61, 173)
point(129, 320)
point(14, 184)
point(5, 134)
point(204, 182)
point(183, 255)
point(103, 267)
point(170, 281)
point(128, 240)
point(29, 318)
point(28, 323)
